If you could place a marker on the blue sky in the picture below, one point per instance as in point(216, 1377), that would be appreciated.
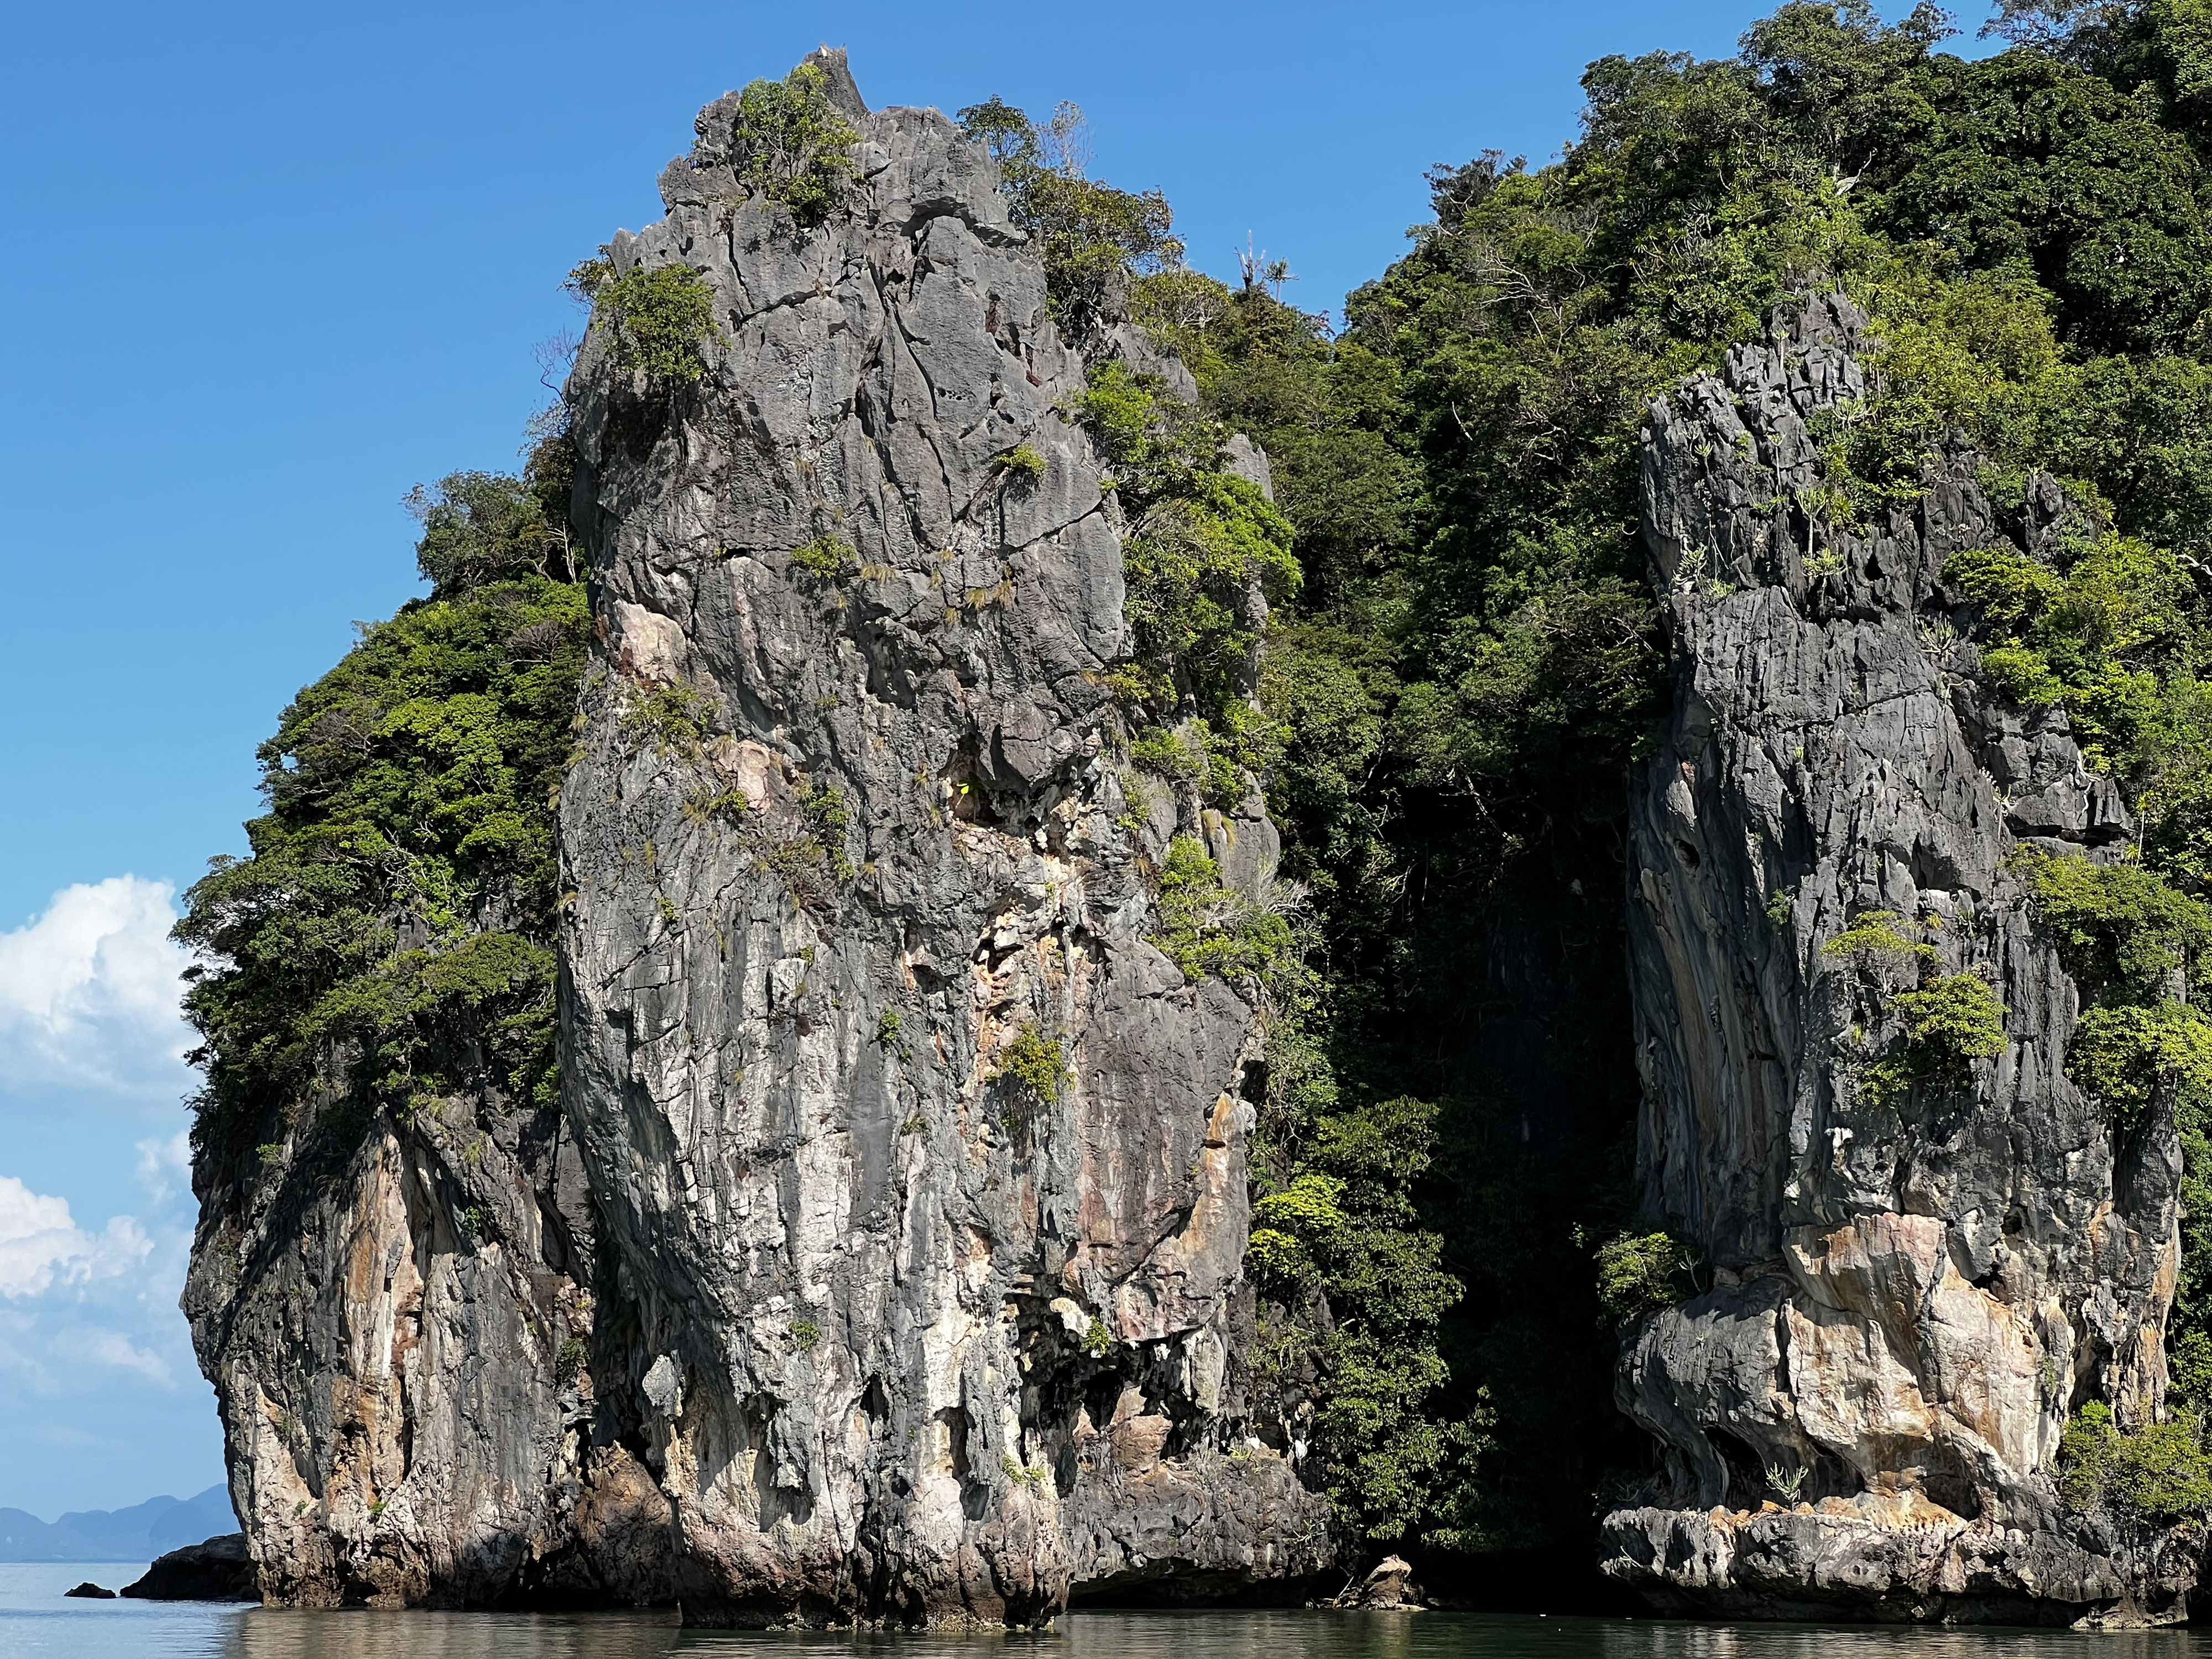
point(273, 266)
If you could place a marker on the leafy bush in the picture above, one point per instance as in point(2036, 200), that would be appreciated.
point(787, 142)
point(481, 527)
point(1386, 1272)
point(1090, 236)
point(2122, 1055)
point(825, 558)
point(1206, 928)
point(1950, 1023)
point(2012, 590)
point(1201, 541)
point(1162, 749)
point(2121, 928)
point(657, 318)
point(2090, 640)
point(1874, 938)
point(1640, 1273)
point(2020, 674)
point(1034, 1065)
point(1287, 1226)
point(2157, 1474)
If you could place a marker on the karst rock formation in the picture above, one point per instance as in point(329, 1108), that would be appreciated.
point(1909, 1293)
point(806, 1305)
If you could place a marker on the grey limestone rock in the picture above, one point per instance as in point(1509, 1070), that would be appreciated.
point(395, 1328)
point(898, 1337)
point(796, 1309)
point(1909, 1293)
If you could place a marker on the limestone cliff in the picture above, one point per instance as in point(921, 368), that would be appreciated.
point(1911, 1287)
point(882, 1256)
point(912, 1320)
point(394, 1320)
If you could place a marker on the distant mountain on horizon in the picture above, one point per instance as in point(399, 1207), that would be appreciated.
point(138, 1534)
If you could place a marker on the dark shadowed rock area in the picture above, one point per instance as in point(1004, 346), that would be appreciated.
point(219, 1570)
point(1910, 1288)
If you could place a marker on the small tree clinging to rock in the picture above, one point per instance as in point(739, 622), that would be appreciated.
point(789, 143)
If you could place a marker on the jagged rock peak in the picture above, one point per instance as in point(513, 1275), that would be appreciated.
point(1911, 1286)
point(921, 1169)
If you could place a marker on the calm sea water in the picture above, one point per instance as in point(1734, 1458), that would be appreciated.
point(37, 1622)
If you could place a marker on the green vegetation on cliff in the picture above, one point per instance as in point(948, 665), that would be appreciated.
point(1457, 658)
point(1452, 695)
point(389, 938)
point(789, 143)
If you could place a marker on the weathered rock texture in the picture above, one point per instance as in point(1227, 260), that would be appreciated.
point(796, 1309)
point(1860, 1417)
point(395, 1328)
point(898, 1337)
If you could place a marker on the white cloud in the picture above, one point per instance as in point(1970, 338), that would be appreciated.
point(113, 1348)
point(41, 1242)
point(164, 1166)
point(89, 991)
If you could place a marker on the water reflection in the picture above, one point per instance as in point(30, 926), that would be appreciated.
point(81, 1631)
point(1315, 1635)
point(1250, 1635)
point(271, 1633)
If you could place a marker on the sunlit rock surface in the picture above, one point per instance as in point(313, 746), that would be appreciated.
point(794, 1308)
point(1908, 1295)
point(898, 1337)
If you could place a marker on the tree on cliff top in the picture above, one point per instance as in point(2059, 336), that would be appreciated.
point(1090, 236)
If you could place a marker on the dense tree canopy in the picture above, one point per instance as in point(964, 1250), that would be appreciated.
point(1472, 661)
point(389, 937)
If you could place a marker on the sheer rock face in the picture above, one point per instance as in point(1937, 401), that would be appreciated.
point(794, 1309)
point(1908, 1298)
point(898, 1336)
point(394, 1325)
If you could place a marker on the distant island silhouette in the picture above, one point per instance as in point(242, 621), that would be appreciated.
point(137, 1533)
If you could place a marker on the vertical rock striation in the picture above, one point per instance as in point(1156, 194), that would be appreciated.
point(882, 1258)
point(921, 1173)
point(1910, 1289)
point(395, 1330)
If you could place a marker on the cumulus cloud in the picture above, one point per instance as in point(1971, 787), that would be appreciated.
point(89, 991)
point(40, 1243)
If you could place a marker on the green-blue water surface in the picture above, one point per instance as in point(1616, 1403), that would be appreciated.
point(37, 1622)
